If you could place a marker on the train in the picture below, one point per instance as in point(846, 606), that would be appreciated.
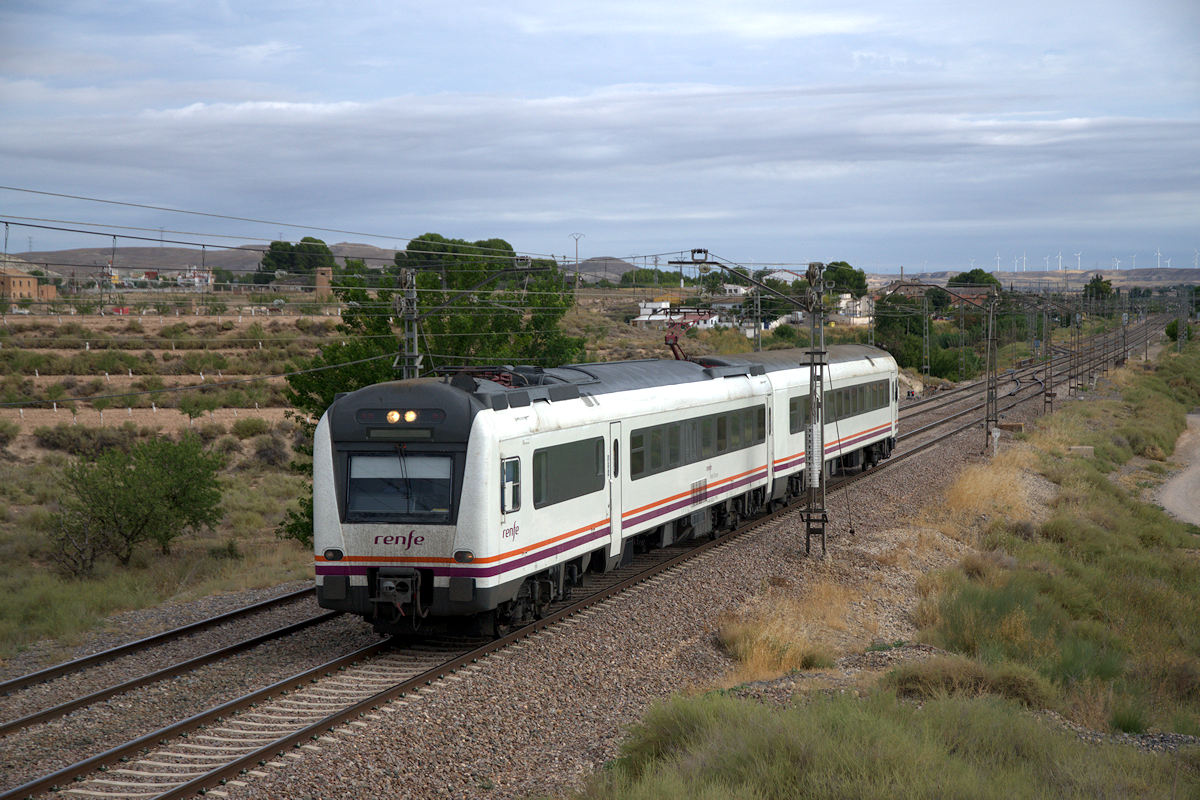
point(475, 500)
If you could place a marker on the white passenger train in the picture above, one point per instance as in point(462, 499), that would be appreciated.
point(485, 497)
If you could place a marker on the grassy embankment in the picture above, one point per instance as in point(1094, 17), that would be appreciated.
point(1087, 605)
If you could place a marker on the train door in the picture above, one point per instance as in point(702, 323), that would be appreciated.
point(615, 465)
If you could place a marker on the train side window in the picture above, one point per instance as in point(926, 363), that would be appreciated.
point(691, 441)
point(510, 485)
point(708, 437)
point(735, 430)
point(760, 425)
point(616, 458)
point(567, 471)
point(722, 433)
point(656, 448)
point(674, 446)
point(637, 455)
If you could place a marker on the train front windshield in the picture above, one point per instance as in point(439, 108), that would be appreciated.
point(409, 487)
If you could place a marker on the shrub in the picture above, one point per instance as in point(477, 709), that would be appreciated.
point(8, 432)
point(271, 450)
point(210, 431)
point(227, 445)
point(249, 427)
point(955, 675)
point(85, 441)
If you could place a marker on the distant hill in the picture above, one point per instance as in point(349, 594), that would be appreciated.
point(1054, 280)
point(245, 258)
point(600, 267)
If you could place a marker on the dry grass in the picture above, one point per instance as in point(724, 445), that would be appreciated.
point(993, 489)
point(782, 632)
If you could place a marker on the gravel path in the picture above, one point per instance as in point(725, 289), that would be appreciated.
point(1181, 495)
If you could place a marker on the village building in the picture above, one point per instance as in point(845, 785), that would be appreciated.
point(18, 285)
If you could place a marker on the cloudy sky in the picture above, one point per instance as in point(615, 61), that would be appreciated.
point(881, 133)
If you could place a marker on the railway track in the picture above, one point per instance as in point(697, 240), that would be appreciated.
point(76, 665)
point(267, 726)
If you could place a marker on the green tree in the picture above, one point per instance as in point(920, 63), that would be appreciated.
point(474, 313)
point(841, 277)
point(976, 277)
point(939, 299)
point(194, 404)
point(153, 493)
point(1098, 288)
point(300, 258)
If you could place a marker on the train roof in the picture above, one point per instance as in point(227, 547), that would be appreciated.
point(573, 380)
point(500, 387)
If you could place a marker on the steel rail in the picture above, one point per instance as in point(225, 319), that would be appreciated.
point(66, 775)
point(77, 664)
point(166, 672)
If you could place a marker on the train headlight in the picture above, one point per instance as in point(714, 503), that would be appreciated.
point(333, 554)
point(410, 416)
point(394, 416)
point(464, 556)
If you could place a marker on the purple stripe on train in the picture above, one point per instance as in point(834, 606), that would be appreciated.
point(474, 572)
point(687, 501)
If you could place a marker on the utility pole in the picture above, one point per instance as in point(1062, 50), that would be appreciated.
point(925, 335)
point(1075, 370)
point(992, 415)
point(758, 326)
point(1047, 371)
point(962, 340)
point(1182, 335)
point(815, 516)
point(577, 237)
point(409, 360)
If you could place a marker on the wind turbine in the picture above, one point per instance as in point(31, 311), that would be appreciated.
point(1117, 261)
point(1196, 259)
point(998, 260)
point(1047, 260)
point(1134, 261)
point(1158, 253)
point(1060, 260)
point(1168, 263)
point(1077, 262)
point(1023, 264)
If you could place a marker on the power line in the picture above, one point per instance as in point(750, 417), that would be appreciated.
point(211, 215)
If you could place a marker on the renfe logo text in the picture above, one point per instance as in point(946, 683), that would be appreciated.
point(408, 541)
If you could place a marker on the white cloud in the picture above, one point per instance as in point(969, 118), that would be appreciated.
point(755, 21)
